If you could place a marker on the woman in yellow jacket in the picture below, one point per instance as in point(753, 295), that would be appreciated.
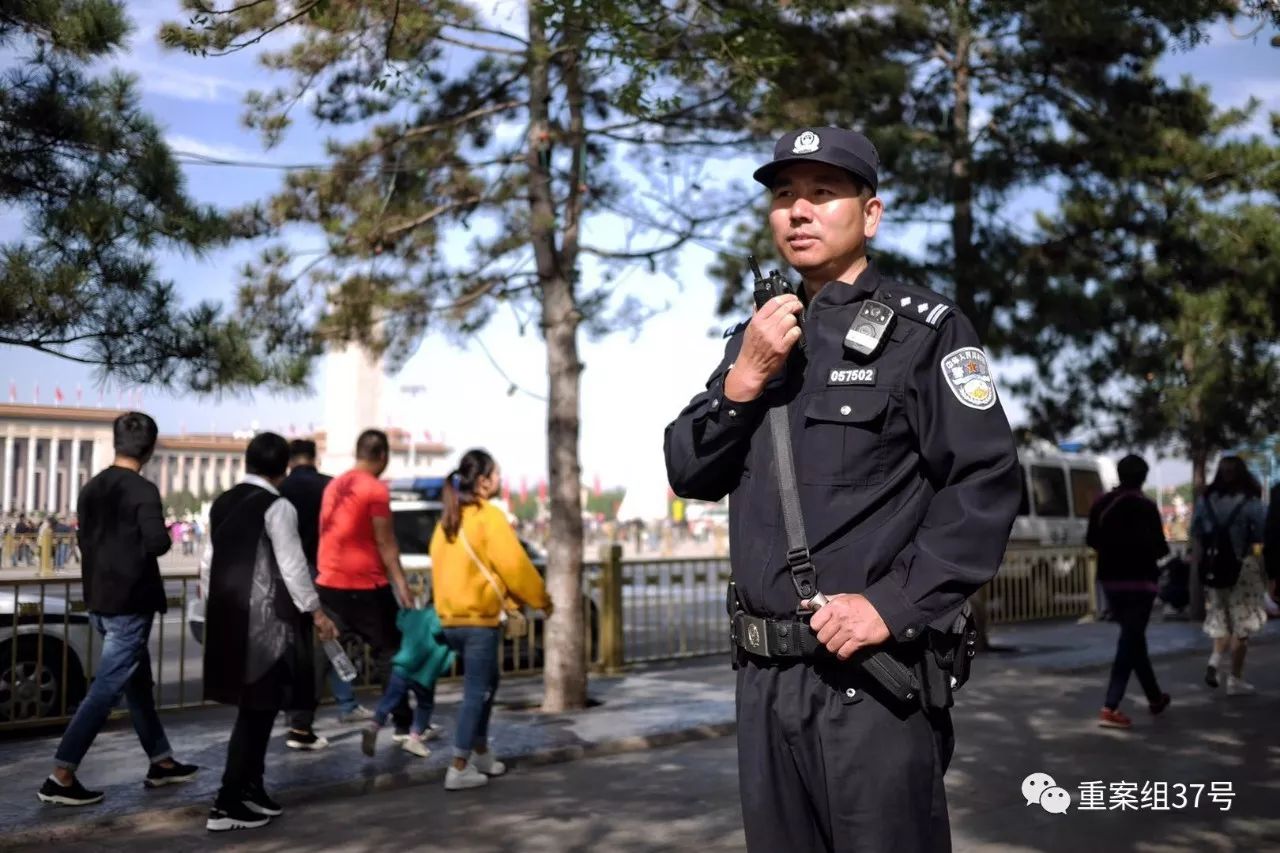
point(478, 568)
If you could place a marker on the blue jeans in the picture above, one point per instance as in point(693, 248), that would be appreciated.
point(397, 688)
point(478, 648)
point(125, 668)
point(343, 692)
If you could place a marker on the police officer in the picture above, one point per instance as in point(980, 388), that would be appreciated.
point(908, 485)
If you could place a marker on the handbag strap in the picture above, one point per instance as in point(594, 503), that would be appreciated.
point(484, 570)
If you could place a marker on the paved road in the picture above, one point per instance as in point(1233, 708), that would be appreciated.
point(1010, 723)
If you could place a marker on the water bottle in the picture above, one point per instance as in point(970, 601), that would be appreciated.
point(342, 664)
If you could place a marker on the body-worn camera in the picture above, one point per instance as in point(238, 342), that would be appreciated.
point(774, 285)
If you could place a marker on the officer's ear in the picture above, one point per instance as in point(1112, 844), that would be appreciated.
point(872, 212)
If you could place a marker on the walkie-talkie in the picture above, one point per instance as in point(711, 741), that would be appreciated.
point(774, 285)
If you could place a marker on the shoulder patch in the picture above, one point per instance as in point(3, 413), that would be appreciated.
point(733, 330)
point(968, 375)
point(915, 305)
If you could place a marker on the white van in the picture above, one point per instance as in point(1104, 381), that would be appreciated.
point(1058, 488)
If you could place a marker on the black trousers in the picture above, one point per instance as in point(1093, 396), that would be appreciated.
point(246, 752)
point(370, 614)
point(825, 763)
point(304, 718)
point(1132, 610)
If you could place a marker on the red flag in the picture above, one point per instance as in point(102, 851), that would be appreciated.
point(524, 489)
point(595, 486)
point(13, 391)
point(542, 490)
point(57, 395)
point(506, 492)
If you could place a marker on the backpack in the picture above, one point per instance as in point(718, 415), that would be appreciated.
point(1219, 564)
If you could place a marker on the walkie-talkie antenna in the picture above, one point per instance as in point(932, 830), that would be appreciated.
point(755, 268)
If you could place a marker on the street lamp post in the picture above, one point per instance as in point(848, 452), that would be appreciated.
point(413, 391)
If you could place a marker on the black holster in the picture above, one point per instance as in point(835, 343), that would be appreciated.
point(945, 668)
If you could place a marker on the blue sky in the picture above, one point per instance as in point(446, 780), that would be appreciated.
point(634, 382)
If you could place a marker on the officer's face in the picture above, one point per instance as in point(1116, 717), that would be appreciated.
point(820, 223)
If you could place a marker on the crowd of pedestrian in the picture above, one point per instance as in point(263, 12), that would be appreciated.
point(24, 538)
point(293, 563)
point(1234, 554)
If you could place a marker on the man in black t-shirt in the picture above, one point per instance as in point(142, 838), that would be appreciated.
point(121, 534)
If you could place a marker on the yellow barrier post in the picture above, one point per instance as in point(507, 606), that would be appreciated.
point(46, 556)
point(611, 638)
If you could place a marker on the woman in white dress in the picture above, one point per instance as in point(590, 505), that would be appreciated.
point(1232, 502)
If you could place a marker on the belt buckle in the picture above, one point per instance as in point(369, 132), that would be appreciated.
point(754, 635)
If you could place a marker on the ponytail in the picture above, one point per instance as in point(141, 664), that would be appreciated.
point(460, 489)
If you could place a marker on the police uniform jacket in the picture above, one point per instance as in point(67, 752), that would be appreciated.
point(905, 463)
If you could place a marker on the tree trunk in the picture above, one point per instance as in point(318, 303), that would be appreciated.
point(565, 660)
point(961, 186)
point(1198, 449)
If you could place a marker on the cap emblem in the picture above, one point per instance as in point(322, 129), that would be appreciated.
point(806, 143)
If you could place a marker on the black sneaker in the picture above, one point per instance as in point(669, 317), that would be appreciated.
point(305, 740)
point(257, 799)
point(1211, 676)
point(74, 794)
point(158, 777)
point(236, 815)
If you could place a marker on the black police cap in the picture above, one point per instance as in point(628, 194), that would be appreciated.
point(835, 146)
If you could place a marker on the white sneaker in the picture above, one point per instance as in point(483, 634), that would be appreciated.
point(487, 764)
point(461, 780)
point(358, 714)
point(433, 731)
point(1238, 686)
point(415, 746)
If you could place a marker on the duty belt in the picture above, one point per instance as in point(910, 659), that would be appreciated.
point(774, 638)
point(786, 639)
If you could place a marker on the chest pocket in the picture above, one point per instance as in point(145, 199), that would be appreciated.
point(842, 442)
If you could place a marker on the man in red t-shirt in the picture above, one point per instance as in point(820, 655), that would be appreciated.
point(358, 560)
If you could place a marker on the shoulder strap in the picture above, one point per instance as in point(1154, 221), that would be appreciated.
point(484, 570)
point(880, 665)
point(803, 574)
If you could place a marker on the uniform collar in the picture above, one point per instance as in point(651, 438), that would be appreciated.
point(836, 293)
point(255, 480)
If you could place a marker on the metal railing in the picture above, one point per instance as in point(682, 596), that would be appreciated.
point(635, 611)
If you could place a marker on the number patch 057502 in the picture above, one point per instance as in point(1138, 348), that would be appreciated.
point(852, 376)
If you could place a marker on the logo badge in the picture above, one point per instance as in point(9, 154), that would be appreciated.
point(753, 636)
point(806, 143)
point(969, 377)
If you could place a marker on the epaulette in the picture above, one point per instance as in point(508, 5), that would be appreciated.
point(916, 303)
point(733, 330)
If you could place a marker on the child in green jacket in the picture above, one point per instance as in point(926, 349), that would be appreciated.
point(422, 659)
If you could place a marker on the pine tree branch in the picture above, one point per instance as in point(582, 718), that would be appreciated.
point(484, 48)
point(435, 212)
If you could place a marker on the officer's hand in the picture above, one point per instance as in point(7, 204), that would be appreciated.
point(770, 335)
point(846, 623)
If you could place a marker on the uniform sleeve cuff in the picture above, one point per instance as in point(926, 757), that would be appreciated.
point(725, 411)
point(900, 616)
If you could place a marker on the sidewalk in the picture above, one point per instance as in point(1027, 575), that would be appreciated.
point(644, 708)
